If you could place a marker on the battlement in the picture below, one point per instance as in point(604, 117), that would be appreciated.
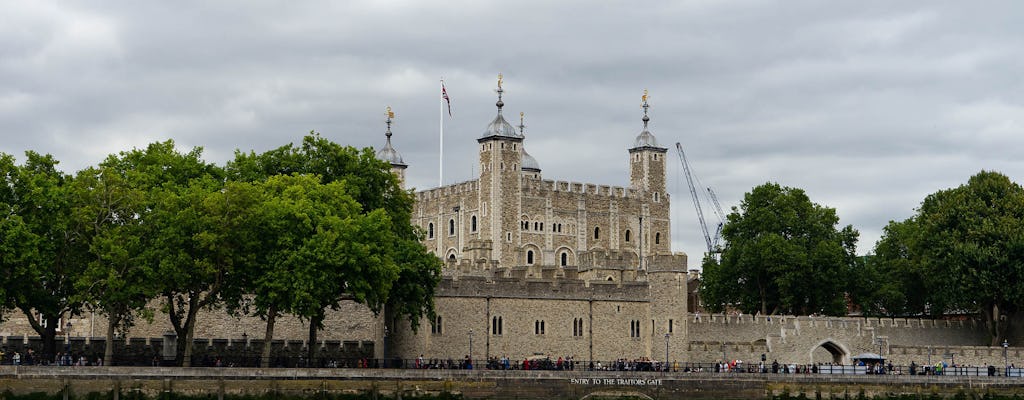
point(833, 322)
point(577, 187)
point(675, 262)
point(444, 191)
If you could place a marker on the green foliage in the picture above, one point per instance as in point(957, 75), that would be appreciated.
point(127, 209)
point(962, 252)
point(895, 284)
point(783, 253)
point(374, 188)
point(42, 253)
point(295, 230)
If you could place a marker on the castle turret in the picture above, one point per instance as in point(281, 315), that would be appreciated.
point(530, 166)
point(647, 176)
point(647, 161)
point(500, 184)
point(390, 155)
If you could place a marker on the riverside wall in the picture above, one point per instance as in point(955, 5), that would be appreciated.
point(472, 384)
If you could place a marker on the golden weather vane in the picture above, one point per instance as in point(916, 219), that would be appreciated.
point(390, 113)
point(499, 80)
point(644, 98)
point(521, 117)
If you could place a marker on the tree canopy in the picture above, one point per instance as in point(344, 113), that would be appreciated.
point(43, 253)
point(963, 252)
point(378, 259)
point(782, 254)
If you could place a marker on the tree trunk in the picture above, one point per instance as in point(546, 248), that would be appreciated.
point(314, 327)
point(184, 329)
point(269, 336)
point(994, 324)
point(186, 359)
point(47, 332)
point(764, 301)
point(108, 349)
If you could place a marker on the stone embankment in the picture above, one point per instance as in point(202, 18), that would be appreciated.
point(471, 384)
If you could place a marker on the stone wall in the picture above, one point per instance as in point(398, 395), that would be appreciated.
point(218, 382)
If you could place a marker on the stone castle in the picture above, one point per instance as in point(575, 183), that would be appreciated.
point(537, 267)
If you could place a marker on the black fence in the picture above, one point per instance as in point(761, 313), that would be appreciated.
point(350, 354)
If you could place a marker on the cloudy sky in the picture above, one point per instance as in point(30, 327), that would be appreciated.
point(867, 105)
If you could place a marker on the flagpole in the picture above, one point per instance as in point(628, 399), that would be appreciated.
point(440, 159)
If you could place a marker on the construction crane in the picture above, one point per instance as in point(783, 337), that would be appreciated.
point(711, 243)
point(721, 218)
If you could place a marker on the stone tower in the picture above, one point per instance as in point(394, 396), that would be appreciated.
point(390, 155)
point(647, 177)
point(501, 153)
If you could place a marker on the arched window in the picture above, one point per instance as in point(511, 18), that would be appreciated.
point(529, 257)
point(597, 232)
point(451, 258)
point(472, 224)
point(656, 198)
point(430, 230)
point(657, 237)
point(627, 235)
point(451, 227)
point(565, 259)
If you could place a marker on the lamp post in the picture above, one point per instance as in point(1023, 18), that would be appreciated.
point(66, 360)
point(666, 367)
point(1006, 360)
point(384, 351)
point(245, 348)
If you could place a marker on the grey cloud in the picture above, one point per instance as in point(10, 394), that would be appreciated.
point(869, 106)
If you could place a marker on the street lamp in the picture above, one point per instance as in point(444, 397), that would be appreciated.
point(1006, 361)
point(385, 349)
point(245, 348)
point(665, 368)
point(66, 360)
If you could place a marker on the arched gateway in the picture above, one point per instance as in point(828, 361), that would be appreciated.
point(829, 351)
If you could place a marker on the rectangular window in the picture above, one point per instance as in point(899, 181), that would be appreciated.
point(435, 328)
point(670, 326)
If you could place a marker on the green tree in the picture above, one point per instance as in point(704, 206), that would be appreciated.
point(190, 243)
point(894, 282)
point(372, 185)
point(13, 236)
point(43, 254)
point(783, 253)
point(115, 282)
point(130, 205)
point(316, 243)
point(971, 243)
